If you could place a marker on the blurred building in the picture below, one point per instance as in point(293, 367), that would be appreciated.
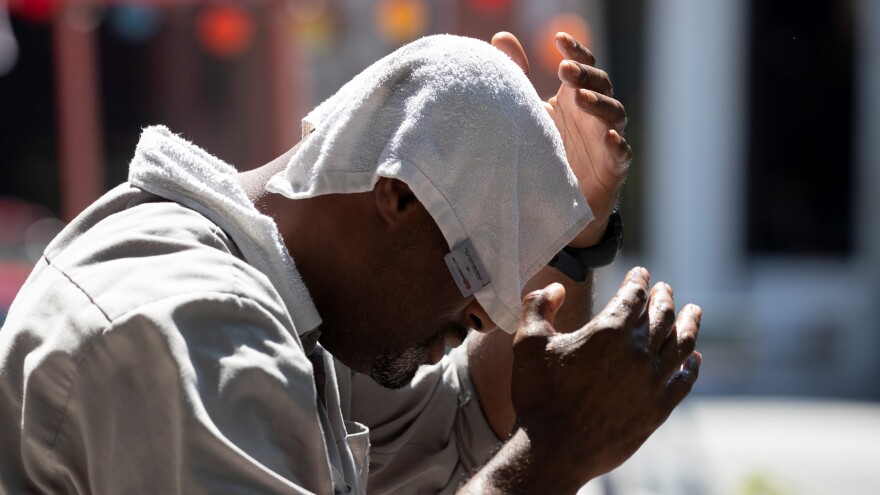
point(761, 165)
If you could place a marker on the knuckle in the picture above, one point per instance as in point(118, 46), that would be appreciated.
point(591, 59)
point(582, 72)
point(604, 79)
point(535, 299)
point(687, 342)
point(665, 313)
point(639, 291)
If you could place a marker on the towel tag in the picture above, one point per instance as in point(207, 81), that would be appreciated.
point(466, 268)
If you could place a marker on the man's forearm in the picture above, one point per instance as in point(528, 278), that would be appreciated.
point(519, 469)
point(490, 356)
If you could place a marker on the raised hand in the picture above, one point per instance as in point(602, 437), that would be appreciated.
point(591, 124)
point(587, 400)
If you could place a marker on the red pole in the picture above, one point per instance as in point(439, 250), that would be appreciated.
point(79, 123)
point(288, 75)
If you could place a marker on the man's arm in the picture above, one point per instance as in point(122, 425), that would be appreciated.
point(590, 122)
point(585, 401)
point(586, 393)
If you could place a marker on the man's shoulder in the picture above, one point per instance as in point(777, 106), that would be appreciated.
point(157, 250)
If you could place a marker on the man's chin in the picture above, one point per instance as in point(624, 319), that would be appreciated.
point(396, 370)
point(394, 382)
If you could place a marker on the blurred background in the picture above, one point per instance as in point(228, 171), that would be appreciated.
point(756, 131)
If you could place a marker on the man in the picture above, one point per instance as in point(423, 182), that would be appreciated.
point(167, 342)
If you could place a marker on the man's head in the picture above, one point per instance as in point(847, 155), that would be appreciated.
point(373, 263)
point(451, 132)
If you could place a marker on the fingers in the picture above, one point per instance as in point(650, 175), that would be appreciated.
point(620, 148)
point(628, 305)
point(679, 344)
point(661, 316)
point(584, 76)
point(603, 107)
point(681, 382)
point(507, 43)
point(572, 49)
point(539, 309)
point(678, 360)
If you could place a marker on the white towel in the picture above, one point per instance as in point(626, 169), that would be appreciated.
point(459, 122)
point(171, 167)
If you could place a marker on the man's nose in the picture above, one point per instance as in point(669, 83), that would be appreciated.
point(476, 317)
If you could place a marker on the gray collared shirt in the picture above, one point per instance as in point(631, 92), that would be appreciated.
point(144, 354)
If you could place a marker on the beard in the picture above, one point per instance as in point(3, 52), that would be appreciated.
point(396, 369)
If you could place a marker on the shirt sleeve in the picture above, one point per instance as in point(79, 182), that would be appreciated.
point(428, 437)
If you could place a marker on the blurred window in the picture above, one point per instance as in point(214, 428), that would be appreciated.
point(800, 128)
point(28, 163)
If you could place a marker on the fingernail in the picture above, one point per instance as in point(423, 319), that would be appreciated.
point(560, 46)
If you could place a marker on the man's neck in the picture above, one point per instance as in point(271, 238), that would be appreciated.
point(254, 181)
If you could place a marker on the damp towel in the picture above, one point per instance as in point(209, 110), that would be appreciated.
point(169, 166)
point(458, 121)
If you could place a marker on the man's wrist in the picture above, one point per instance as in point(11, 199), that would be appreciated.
point(519, 468)
point(592, 234)
point(576, 262)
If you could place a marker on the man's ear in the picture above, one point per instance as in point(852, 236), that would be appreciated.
point(395, 201)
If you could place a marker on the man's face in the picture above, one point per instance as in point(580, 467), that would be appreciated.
point(400, 311)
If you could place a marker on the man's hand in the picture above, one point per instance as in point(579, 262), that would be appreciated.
point(588, 399)
point(591, 124)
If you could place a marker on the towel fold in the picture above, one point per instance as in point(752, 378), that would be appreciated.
point(458, 121)
point(169, 166)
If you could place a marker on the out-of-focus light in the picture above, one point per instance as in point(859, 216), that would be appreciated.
point(316, 34)
point(491, 6)
point(573, 24)
point(8, 44)
point(135, 23)
point(312, 24)
point(306, 11)
point(400, 21)
point(225, 31)
point(36, 11)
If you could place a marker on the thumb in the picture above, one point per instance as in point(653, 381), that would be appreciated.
point(508, 44)
point(538, 310)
